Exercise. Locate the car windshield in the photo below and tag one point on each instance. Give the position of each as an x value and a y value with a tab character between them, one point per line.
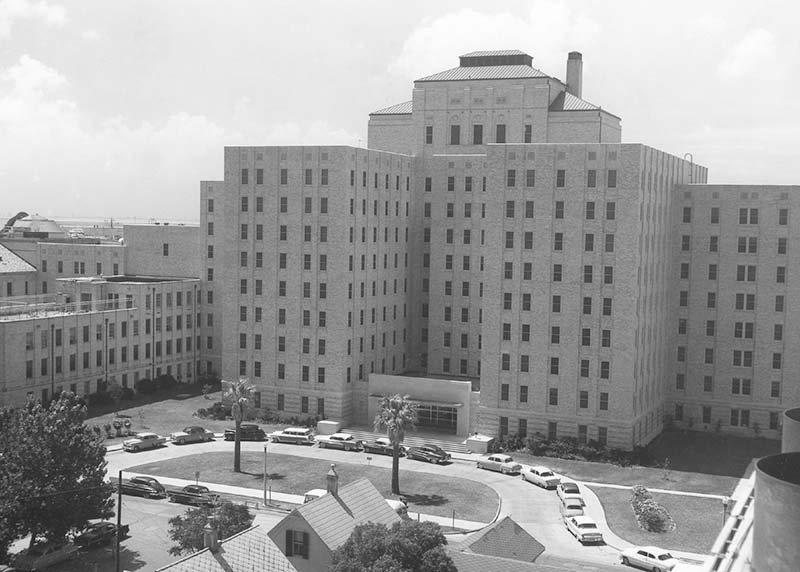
570	487
665	556
546	474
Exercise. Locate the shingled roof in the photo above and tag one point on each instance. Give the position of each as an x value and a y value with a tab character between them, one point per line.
396	109
502	547
485	72
10	263
333	517
249	550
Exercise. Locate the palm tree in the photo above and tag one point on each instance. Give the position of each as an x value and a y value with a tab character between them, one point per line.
396	415
241	394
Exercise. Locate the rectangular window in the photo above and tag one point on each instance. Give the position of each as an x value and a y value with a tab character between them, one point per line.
530	178
500	133
591	178
687	214
477	134
714	215
553	400
590	210
560	178
455	135
528	133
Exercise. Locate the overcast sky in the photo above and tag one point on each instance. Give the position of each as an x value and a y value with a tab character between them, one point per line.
121	108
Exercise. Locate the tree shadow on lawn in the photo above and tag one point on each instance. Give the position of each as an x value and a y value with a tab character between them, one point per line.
424	500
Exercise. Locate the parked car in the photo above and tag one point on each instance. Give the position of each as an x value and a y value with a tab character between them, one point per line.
142	487
314	494
191	434
500	462
294	435
428	452
195	495
649	558
584	529
570	508
99	533
143	441
541	476
40	556
344	441
382	446
573	498
567	488
247	432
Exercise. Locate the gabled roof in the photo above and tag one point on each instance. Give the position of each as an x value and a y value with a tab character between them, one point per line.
333	518
396	109
249	550
485	72
11	263
506	539
567	102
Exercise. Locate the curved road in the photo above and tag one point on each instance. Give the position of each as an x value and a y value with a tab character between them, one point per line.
535	509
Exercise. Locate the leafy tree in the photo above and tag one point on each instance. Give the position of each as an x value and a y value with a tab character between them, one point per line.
52	474
396	415
187	530
240	393
408	546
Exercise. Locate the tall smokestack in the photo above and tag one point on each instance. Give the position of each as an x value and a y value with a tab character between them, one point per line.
575	73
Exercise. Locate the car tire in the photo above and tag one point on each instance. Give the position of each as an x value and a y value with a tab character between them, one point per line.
625	561
135	448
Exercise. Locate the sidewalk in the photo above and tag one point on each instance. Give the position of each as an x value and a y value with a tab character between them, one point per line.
465	525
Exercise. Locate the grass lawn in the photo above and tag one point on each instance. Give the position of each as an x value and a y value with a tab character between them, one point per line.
173	412
697	520
646	476
425	492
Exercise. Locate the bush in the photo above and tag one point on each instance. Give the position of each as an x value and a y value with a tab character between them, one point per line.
650	515
165	381
218	411
99	398
127	394
145	386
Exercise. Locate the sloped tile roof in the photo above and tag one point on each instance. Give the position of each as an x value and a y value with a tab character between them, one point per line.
396	109
471	562
506	539
333	519
486	72
247	551
11	263
567	102
494	53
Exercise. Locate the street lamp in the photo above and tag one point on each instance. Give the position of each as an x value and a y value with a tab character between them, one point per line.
725	502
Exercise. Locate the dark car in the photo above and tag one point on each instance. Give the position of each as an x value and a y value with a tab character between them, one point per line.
142	487
428	452
382	446
100	533
247	432
195	495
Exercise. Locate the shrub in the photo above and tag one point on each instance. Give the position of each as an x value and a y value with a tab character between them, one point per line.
145	385
165	381
127	394
650	515
218	411
99	398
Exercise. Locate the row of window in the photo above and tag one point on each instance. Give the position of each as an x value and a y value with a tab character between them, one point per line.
744	272
745	302
72	332
741	330
308	179
111	356
739	385
747	215
738	417
79	268
583	397
741	358
744	244
555	335
552	431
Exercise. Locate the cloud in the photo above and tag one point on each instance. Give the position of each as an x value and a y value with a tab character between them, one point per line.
546	31
756	49
57	159
53	15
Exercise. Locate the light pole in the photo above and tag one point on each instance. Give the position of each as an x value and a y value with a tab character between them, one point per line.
725	502
266	477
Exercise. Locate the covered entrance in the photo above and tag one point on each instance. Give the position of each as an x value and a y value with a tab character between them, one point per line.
440	418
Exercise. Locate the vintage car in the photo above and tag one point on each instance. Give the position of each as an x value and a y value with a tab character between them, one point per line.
501	463
428	452
99	533
195	495
142	487
541	476
649	558
191	434
247	432
343	441
382	446
567	488
142	441
294	435
584	529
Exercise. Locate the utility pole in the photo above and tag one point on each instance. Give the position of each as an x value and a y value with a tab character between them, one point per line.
119	521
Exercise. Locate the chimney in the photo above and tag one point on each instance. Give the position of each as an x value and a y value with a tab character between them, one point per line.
575	73
333	481
210	537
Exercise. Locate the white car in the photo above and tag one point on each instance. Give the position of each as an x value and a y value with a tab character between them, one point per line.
573	498
584	529
649	558
570	508
344	441
191	434
501	463
295	435
143	441
541	476
567	488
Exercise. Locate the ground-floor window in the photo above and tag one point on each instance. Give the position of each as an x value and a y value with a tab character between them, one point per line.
440	418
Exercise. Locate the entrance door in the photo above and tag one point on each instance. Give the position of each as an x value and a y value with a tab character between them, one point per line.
437	418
